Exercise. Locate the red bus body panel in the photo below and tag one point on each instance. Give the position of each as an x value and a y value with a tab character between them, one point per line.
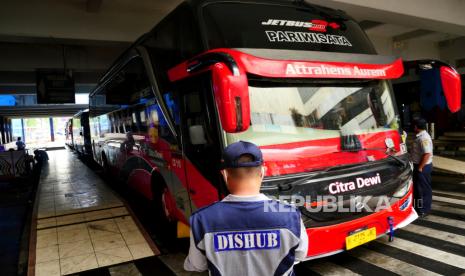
322	153
452	85
299	69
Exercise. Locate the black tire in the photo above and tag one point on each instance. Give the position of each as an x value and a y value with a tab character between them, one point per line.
105	166
164	227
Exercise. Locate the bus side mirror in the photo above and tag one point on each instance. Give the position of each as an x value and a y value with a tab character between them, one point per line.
452	87
231	93
449	78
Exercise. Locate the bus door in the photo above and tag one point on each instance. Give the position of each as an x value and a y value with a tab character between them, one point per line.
200	138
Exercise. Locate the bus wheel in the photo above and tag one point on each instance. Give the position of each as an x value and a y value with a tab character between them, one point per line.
164	224
106	166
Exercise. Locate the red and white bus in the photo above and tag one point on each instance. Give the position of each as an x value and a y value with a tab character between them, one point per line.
301	81
81	133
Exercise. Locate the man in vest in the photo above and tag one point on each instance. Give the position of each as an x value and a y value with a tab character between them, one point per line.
422	158
246	233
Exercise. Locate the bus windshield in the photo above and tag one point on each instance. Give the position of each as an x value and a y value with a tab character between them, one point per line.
296	113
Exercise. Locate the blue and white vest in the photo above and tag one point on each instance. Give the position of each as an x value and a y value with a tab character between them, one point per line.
249	236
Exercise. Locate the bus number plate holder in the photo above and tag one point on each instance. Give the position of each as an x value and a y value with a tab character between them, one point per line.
360	237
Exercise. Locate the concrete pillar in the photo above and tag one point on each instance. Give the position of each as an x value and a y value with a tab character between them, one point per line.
10	129
2	130
22	130
52	132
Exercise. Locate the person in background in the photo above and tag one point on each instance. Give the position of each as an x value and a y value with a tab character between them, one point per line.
20	144
422	158
128	143
41	156
246	233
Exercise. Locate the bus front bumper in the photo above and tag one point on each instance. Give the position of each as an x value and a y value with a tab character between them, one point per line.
329	240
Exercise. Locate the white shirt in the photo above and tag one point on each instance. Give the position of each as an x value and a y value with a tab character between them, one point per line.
421	145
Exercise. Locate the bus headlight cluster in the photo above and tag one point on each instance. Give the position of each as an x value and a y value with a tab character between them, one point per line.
403	189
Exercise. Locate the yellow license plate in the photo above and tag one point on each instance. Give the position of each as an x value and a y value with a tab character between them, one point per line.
360	238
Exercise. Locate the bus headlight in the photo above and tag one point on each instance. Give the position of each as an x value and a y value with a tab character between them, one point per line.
403	189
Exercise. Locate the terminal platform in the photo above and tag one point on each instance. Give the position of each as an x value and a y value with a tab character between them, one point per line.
81	224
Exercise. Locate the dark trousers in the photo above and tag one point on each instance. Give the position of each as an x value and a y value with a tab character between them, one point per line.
422	190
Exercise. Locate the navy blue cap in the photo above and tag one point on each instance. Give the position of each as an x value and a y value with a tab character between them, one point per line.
420	123
233	152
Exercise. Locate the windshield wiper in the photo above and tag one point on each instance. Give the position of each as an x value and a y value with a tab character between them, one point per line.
400	161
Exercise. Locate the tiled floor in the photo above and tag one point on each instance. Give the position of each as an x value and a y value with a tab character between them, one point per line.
81	223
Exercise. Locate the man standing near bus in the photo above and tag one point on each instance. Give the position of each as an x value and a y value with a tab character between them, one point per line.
422	158
20	145
246	233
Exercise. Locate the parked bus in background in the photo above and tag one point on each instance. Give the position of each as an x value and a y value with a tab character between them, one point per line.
81	133
69	133
301	81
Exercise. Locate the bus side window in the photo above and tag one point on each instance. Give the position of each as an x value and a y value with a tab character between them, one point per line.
104	125
142	117
173	40
119	122
128	88
173	108
157	125
164	130
128	125
116	121
112	123
135	122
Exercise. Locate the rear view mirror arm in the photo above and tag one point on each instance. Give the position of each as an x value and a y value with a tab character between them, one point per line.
209	59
